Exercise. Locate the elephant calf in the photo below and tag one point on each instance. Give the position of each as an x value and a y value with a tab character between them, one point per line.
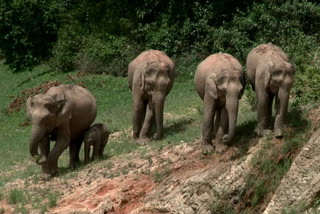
219	81
271	76
150	77
97	136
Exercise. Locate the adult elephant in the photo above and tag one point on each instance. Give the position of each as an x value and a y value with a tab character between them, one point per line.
271	76
219	81
150	77
62	114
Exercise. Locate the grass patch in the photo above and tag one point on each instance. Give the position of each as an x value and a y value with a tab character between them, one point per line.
16	196
160	175
182	123
273	161
52	199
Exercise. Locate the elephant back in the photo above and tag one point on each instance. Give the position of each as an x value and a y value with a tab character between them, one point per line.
259	54
214	63
148	57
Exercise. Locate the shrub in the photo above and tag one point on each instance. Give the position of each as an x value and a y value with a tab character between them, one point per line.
105	54
29	30
16	196
70	41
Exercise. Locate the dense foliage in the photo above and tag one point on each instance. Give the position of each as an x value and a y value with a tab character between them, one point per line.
102	36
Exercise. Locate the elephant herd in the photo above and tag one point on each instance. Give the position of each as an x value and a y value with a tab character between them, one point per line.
65	113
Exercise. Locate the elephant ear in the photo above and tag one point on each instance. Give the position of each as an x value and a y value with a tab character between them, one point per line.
29	106
243	83
263	73
62	109
211	87
147	73
143	69
222	80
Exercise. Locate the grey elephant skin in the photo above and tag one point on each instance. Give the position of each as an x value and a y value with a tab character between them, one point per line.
97	137
150	77
62	114
219	81
271	76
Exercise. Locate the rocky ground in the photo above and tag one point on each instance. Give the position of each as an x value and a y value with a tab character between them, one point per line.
176	179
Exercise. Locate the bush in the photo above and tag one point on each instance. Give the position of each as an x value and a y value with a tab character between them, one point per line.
105	54
70	41
29	30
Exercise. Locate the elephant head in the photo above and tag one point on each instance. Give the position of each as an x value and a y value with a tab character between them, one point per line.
45	112
156	84
278	74
226	88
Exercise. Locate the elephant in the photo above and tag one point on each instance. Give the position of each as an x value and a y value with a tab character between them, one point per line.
150	77
271	76
62	114
97	136
220	82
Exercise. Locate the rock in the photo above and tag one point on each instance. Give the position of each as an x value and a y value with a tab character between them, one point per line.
301	185
105	207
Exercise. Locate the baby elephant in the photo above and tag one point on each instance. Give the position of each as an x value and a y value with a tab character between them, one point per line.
97	136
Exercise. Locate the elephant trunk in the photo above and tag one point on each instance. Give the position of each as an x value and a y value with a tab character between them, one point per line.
158	100
37	134
232	105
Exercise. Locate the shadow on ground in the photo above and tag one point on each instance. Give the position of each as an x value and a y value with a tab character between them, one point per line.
177	126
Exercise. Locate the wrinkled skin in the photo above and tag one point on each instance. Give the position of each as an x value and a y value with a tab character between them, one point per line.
219	81
97	136
62	114
150	77
271	76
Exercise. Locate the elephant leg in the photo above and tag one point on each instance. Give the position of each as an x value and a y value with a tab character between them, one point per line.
209	107
262	109
139	112
217	122
100	152
44	147
74	150
63	141
269	114
86	152
222	130
283	100
147	122
277	105
96	149
77	150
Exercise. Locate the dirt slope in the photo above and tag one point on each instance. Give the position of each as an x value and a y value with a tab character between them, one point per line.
175	179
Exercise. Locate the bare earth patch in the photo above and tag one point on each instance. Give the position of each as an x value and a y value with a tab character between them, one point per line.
122	184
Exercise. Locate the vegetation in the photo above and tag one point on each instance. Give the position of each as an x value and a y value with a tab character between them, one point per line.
90	43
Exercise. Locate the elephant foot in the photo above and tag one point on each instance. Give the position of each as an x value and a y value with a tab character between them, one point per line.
135	136
49	172
278	133
264	132
143	140
226	138
72	166
221	148
46	177
42	159
207	148
156	136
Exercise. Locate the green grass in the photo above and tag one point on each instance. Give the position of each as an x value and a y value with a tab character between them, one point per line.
16	196
182	124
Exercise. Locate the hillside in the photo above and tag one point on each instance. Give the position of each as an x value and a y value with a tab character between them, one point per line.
167	176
